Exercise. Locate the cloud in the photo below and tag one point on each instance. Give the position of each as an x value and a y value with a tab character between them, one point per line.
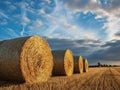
118	34
3	22
4	15
114	43
10	5
79	47
111	53
36	25
108	9
41	12
63	24
25	20
48	1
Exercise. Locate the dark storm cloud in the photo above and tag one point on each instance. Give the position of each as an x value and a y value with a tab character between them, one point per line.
112	43
78	47
112	53
117	34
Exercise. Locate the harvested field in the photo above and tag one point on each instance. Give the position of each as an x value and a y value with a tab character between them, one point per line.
106	78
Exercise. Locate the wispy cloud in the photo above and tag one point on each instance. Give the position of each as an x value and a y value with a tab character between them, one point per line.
3	22
4	15
24	20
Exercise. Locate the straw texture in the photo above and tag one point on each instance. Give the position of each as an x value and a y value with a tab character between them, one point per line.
27	59
85	65
78	64
63	62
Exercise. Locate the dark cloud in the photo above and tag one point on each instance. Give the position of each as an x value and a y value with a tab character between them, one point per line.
112	53
112	43
81	4
87	48
79	47
111	6
117	34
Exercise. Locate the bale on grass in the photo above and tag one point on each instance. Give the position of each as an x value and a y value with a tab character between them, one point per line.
85	65
63	62
26	59
78	64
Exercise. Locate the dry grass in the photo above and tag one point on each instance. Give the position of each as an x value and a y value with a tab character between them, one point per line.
27	59
78	64
63	62
95	79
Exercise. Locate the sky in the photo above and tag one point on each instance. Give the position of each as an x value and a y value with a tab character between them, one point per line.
90	28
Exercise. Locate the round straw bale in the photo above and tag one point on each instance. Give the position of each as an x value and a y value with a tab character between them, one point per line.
63	62
26	59
78	64
85	65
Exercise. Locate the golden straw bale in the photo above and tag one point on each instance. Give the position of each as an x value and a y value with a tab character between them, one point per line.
78	64
63	62
85	65
26	59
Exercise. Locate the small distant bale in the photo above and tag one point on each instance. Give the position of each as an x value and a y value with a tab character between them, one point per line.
85	65
26	59
78	64
63	62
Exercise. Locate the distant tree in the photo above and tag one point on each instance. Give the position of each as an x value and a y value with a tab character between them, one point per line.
99	64
106	65
110	65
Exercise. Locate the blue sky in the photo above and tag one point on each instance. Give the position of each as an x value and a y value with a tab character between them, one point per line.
84	26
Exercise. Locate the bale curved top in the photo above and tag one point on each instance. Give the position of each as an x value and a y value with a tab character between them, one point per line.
27	59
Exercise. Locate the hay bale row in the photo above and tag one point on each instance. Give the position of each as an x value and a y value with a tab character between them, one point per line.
27	59
67	64
63	62
30	60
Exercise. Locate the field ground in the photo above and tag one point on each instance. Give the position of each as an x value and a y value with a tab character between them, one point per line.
107	78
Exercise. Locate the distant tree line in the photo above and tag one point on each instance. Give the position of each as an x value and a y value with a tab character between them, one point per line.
103	65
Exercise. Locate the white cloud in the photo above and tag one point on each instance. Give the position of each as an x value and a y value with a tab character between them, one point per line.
48	1
36	25
109	10
3	22
25	21
62	24
41	11
12	33
4	15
